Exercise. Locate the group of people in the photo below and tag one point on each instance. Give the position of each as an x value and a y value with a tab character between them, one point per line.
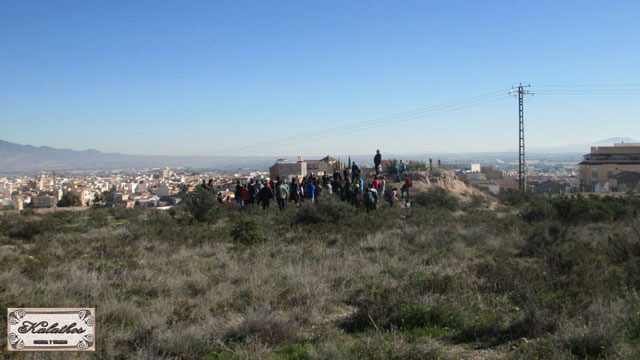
348	186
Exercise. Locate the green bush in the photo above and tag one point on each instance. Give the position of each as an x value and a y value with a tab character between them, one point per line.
437	197
327	210
292	352
515	197
537	210
416	316
246	232
590	345
202	205
69	199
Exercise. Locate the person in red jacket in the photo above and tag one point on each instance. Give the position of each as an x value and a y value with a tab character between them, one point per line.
245	195
405	188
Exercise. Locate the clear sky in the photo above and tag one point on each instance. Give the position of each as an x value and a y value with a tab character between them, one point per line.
209	77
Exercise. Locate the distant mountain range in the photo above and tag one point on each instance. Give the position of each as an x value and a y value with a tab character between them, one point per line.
18	159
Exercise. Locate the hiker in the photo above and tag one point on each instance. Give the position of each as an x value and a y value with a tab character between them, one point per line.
346	190
204	184
376	183
318	189
405	188
244	196
238	194
382	187
325	180
336	186
355	193
361	183
282	193
310	190
355	171
377	159
393	197
252	192
294	191
336	175
402	168
265	196
369	201
258	188
374	192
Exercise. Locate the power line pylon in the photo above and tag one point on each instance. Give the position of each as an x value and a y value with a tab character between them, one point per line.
520	91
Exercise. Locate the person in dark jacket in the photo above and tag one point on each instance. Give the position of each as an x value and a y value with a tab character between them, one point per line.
355	171
376	161
238	194
265	196
294	191
252	192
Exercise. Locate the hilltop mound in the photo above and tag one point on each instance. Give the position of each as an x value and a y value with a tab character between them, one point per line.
447	179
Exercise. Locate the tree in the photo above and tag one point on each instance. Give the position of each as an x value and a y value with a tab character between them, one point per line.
201	204
70	199
104	198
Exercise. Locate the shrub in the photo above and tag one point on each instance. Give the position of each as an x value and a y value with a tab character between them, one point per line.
201	205
591	344
266	326
415	165
292	352
246	232
28	227
327	210
69	199
537	210
416	315
573	210
437	197
515	197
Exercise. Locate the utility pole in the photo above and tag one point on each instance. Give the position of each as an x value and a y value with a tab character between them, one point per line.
520	91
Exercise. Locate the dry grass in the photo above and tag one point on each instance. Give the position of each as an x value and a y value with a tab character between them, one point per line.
393	284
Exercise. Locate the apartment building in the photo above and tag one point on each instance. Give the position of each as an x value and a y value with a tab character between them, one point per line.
604	163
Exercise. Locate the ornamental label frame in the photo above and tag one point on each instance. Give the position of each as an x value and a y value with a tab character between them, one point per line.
51	329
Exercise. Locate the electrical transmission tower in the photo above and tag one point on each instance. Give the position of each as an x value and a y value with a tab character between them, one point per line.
520	91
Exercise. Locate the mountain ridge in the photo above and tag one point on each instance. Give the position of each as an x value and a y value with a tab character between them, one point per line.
18	158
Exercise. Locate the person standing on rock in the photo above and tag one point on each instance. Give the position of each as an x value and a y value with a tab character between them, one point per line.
377	160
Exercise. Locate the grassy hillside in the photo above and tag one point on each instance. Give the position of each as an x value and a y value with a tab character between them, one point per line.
535	279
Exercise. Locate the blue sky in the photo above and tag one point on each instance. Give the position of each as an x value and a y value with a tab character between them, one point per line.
210	77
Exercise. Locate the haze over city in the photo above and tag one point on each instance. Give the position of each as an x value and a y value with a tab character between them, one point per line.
210	78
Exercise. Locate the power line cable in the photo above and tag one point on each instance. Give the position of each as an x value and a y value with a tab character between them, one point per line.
370	126
586	85
372	121
360	127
